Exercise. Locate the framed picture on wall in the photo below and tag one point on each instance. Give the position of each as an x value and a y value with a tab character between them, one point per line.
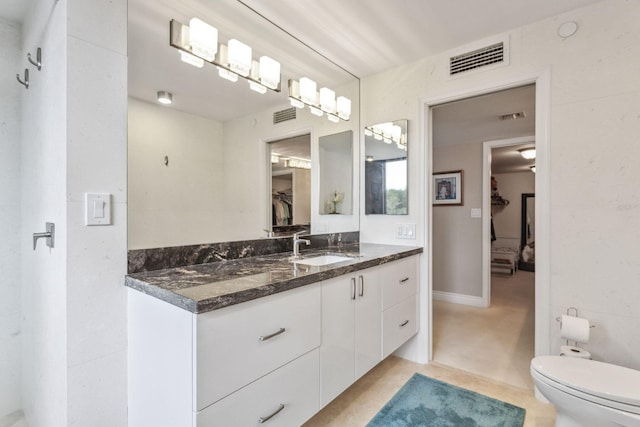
447	188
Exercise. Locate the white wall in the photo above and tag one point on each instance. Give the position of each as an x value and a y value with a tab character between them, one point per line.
595	199
511	186
97	256
183	202
44	181
74	141
10	311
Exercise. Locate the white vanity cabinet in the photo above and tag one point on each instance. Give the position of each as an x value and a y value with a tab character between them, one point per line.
198	370
351	330
399	303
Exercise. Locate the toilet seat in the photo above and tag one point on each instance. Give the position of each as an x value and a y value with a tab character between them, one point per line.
602	383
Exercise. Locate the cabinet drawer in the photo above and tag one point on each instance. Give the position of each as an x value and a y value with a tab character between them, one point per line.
399	281
295	385
239	344
399	323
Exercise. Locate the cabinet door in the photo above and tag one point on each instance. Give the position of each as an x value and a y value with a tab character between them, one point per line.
368	333
338	337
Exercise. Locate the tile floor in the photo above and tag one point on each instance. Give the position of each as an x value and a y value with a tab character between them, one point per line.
484	350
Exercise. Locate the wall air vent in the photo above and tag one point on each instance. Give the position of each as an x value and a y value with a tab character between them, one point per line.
284	115
489	55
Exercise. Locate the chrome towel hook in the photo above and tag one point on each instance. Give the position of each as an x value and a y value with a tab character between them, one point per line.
24	83
38	61
50	235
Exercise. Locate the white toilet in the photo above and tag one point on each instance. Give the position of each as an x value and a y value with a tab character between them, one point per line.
587	393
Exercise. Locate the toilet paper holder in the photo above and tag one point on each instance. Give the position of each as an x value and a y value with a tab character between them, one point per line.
572	311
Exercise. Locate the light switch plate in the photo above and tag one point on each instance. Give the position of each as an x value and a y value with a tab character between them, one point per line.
476	213
97	208
406	231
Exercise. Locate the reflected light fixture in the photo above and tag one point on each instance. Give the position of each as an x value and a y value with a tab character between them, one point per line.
533	168
164	97
198	43
369	158
388	133
304	92
528	153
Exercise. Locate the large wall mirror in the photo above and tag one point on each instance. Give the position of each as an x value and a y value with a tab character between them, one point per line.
200	169
386	150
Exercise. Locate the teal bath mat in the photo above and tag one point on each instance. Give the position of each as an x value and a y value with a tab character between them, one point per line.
426	402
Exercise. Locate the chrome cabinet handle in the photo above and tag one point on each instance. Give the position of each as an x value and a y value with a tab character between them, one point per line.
275	334
404	323
406	279
361	286
353	288
268	417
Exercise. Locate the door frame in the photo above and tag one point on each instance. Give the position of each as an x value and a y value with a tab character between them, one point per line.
542	80
487	146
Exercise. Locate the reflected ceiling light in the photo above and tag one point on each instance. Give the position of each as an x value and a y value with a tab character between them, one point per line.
304	92
528	153
198	43
191	59
297	163
275	158
369	158
308	93
165	97
533	168
328	100
344	108
269	72
203	39
239	57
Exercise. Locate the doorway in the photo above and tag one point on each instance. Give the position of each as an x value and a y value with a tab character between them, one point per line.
472	296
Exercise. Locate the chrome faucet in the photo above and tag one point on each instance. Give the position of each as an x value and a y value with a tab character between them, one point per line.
296	244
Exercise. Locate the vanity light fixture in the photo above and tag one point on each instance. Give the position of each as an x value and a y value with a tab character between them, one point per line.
388	133
293	162
164	97
528	153
304	92
198	43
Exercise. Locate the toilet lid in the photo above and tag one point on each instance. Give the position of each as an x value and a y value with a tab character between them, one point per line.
611	382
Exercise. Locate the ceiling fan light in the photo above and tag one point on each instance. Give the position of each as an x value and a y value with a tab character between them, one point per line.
203	39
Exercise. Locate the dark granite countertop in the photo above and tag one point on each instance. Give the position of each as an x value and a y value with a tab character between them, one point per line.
205	287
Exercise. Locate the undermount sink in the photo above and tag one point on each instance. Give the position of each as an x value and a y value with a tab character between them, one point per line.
322	260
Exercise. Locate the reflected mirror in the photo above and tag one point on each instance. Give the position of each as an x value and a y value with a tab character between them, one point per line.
199	168
291	185
386	168
336	171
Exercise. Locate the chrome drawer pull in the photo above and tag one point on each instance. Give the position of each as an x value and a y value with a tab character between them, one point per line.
404	323
267	418
406	279
353	288
361	286
268	337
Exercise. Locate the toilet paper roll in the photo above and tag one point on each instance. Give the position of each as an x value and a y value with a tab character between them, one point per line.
571	351
574	329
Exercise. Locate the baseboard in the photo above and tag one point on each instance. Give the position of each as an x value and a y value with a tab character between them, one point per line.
458	298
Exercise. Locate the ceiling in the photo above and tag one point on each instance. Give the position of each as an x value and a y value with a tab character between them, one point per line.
478	120
366	37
